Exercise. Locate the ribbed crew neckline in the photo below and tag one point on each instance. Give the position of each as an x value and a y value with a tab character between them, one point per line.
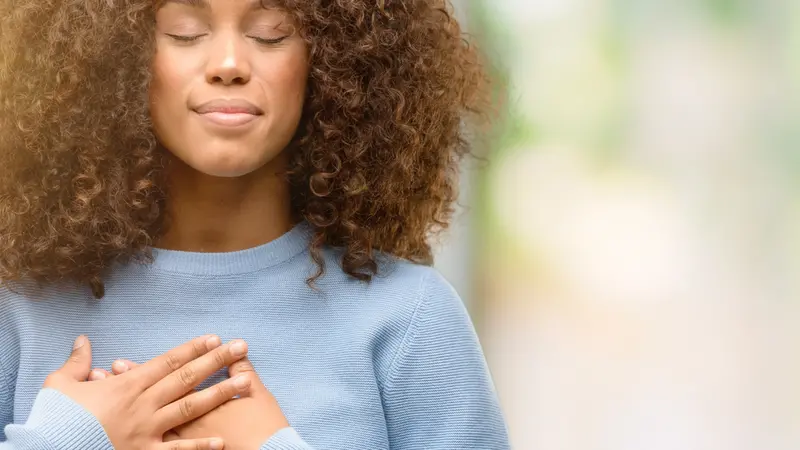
277	251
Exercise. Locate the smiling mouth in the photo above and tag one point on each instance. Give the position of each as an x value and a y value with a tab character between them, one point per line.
228	119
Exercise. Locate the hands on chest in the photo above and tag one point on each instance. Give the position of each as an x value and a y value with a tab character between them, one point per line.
154	405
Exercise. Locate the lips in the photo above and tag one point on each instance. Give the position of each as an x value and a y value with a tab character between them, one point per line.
229	112
229	119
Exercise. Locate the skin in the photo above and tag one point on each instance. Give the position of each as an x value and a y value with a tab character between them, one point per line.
243	423
226	191
395	99
137	408
226	188
225	184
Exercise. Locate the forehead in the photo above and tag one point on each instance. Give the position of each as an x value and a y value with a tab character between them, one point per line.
208	4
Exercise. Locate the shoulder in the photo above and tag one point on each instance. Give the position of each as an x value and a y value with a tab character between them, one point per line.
398	302
12	313
407	309
28	306
432	297
439	315
12	305
399	288
429	300
18	305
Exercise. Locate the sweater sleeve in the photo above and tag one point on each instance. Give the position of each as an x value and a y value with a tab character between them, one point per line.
438	393
6	404
286	439
8	352
55	423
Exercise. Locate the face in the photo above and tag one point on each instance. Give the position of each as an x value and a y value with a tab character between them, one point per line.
229	80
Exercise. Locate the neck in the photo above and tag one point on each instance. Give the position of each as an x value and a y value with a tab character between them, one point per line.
212	214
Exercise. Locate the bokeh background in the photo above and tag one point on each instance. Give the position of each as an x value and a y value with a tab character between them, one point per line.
631	251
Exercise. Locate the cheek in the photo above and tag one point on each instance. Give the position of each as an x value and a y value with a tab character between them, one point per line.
286	83
166	95
169	82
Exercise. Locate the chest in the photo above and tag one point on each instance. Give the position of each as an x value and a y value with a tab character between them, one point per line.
326	389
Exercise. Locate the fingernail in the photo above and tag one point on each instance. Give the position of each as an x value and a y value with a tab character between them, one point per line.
238	348
241	382
216	444
120	367
97	375
79	342
213	342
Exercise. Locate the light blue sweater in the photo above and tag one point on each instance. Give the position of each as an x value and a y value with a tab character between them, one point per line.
394	364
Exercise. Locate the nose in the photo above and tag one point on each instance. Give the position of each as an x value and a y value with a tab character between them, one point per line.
228	62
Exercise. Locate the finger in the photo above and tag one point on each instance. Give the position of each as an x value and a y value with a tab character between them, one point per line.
121	366
99	374
244	367
159	367
200	403
170	436
178	383
79	363
192	444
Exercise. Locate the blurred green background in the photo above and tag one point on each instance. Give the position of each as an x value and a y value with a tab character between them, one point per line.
631	252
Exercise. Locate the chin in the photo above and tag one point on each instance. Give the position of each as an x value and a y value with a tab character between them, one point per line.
225	166
226	171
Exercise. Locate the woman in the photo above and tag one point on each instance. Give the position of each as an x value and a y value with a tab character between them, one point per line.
261	170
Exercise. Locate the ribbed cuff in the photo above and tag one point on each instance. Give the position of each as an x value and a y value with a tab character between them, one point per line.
58	423
286	439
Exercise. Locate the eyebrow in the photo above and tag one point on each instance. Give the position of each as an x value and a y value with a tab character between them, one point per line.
194	3
205	4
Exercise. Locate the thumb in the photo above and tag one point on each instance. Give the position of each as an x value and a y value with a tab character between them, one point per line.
244	367
79	363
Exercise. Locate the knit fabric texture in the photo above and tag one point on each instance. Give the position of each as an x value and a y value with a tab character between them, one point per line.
393	364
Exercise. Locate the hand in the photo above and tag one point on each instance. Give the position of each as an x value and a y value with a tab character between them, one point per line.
137	408
245	423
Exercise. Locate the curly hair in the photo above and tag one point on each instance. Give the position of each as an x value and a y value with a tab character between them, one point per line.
374	164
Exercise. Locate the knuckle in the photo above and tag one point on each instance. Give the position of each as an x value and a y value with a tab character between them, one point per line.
243	366
221	392
172	362
51	380
199	349
219	359
186	407
126	382
187	376
249	376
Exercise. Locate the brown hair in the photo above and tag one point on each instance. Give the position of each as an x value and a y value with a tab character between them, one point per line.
374	164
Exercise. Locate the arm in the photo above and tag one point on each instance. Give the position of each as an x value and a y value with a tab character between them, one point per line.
55	421
6	406
438	392
136	409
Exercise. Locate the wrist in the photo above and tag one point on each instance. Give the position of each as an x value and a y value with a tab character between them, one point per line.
284	439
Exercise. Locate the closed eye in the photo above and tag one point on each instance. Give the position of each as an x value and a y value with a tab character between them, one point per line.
266	41
183	38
